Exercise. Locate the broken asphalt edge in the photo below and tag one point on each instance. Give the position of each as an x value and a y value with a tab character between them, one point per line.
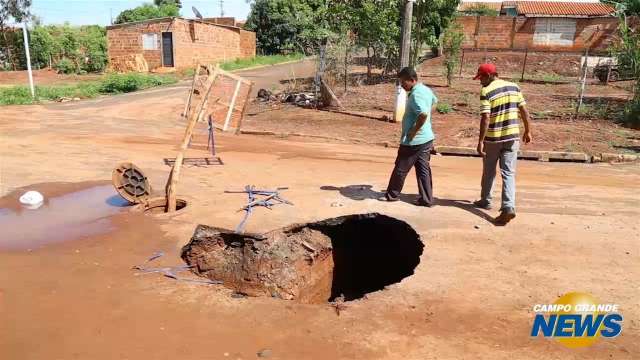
545	156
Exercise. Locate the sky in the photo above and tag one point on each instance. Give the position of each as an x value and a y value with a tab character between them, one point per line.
86	12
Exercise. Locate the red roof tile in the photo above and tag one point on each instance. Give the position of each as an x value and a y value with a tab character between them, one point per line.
550	8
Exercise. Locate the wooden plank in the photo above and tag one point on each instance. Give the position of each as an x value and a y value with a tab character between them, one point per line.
244	109
233	102
174	176
187	106
226	104
235	77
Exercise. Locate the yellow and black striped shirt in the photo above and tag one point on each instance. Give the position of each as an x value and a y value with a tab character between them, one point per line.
501	100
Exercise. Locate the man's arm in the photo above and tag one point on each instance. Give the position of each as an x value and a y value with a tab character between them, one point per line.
485	111
524	115
484	125
422	119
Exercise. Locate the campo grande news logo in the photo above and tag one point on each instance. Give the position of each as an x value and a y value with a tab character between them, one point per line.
577	320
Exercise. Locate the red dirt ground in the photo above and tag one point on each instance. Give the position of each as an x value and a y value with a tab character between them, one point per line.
470	297
42	77
551	105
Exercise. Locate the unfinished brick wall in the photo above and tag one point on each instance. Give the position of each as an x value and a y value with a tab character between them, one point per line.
193	42
207	43
229	21
125	40
505	32
247	43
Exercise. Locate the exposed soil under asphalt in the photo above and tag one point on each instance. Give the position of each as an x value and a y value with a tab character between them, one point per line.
470	296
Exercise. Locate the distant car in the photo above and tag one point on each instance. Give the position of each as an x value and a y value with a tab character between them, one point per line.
614	71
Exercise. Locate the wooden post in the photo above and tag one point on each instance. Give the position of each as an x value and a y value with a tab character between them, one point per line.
187	106
584	80
244	108
524	65
231	106
174	176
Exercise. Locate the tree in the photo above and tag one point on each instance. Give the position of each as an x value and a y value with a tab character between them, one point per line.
432	18
451	45
628	7
70	49
377	26
627	50
148	11
286	25
178	3
18	10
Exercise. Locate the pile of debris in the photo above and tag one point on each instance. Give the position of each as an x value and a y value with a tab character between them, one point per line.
306	99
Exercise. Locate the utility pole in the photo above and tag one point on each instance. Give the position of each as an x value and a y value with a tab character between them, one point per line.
111	15
25	35
405	50
221	8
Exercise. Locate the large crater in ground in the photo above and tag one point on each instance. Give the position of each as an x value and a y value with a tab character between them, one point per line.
348	256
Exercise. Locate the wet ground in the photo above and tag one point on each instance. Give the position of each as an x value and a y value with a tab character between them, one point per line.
82	213
470	297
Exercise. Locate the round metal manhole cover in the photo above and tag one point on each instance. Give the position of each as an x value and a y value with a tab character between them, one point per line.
131	183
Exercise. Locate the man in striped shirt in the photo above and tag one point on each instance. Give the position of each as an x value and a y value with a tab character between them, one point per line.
502	106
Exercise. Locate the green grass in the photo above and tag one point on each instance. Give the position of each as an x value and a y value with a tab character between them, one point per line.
259	61
109	84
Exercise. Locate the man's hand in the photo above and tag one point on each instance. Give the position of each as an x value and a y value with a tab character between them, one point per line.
412	133
526	138
481	148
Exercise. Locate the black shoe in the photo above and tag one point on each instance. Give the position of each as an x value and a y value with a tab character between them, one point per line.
482	204
505	217
386	198
419	202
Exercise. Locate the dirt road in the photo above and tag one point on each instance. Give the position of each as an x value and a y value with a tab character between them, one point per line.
70	294
277	77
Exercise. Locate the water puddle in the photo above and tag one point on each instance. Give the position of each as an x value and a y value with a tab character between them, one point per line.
64	217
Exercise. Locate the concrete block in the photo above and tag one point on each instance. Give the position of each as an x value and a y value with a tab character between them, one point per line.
568	156
456	150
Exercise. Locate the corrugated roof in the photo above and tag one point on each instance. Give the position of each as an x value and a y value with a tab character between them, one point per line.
552	8
470	5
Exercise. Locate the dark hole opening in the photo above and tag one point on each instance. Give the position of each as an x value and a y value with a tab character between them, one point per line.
370	252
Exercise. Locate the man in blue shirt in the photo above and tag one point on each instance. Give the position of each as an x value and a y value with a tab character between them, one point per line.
416	141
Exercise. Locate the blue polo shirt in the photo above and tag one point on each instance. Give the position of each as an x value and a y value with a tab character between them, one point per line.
421	99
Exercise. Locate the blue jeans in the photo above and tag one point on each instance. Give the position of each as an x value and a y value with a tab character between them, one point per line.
507	154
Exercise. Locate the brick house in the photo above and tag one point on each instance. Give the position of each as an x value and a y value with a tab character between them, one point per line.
175	42
541	26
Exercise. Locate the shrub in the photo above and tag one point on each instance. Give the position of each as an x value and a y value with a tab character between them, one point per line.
444	108
481	9
66	66
121	83
85	46
632	113
115	83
